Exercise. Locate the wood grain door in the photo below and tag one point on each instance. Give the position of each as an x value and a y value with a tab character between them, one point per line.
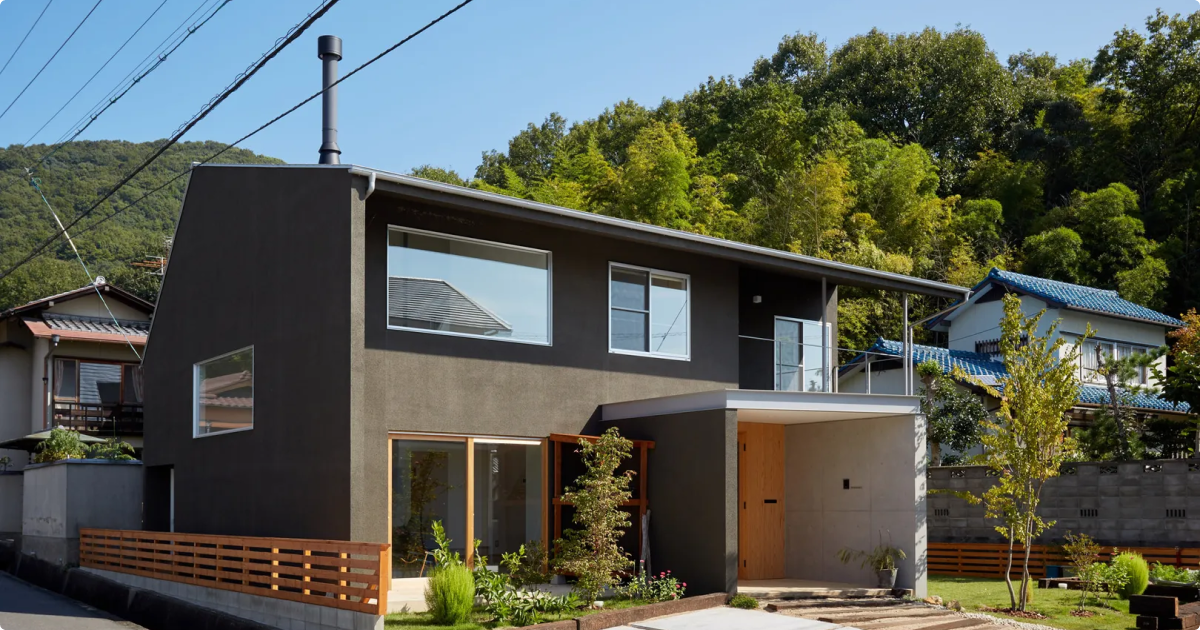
760	501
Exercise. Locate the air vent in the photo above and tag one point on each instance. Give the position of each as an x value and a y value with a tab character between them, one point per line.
1108	470
1176	513
958	474
1089	513
1152	468
941	512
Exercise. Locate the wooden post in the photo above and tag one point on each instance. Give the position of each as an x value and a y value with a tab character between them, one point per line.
385	577
470	536
306	578
557	491
274	574
642	499
342	569
544	490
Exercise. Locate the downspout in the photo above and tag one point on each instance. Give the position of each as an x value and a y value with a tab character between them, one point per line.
47	399
370	185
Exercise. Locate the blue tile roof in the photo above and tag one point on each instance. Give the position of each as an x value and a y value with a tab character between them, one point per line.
1078	296
989	370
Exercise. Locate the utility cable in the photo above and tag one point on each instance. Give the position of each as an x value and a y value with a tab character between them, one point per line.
36	183
252	133
60	47
214	156
293	35
97	73
33	26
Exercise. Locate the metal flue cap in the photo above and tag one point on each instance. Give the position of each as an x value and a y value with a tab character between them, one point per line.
329	45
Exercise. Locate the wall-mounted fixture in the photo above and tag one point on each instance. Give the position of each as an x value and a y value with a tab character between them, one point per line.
756	299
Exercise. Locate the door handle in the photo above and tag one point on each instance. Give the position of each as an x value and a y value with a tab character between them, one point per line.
770	500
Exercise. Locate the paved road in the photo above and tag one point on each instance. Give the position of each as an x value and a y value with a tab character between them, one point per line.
25	607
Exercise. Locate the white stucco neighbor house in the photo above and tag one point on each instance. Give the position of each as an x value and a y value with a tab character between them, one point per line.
972	328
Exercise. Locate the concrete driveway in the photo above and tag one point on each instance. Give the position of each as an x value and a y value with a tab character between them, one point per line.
25	607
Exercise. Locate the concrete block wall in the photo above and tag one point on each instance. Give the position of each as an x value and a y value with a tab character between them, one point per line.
279	613
60	497
1143	504
12	491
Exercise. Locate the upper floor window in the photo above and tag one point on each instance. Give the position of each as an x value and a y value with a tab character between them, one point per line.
1095	351
802	360
224	393
649	312
97	383
459	286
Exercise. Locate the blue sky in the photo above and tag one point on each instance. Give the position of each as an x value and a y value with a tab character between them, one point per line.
476	79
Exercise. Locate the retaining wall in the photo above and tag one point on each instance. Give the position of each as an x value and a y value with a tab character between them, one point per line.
1143	504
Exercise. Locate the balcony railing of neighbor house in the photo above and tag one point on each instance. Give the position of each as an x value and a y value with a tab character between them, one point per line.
336	574
989	559
98	418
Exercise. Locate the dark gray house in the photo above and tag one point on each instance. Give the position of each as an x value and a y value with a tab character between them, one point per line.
345	353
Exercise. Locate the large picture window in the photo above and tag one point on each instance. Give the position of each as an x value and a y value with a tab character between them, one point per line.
459	286
802	362
224	392
649	312
1094	351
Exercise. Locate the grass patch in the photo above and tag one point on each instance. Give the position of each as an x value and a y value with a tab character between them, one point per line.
1055	604
482	621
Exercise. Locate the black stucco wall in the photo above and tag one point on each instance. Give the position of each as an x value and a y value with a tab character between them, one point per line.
782	296
692	481
261	258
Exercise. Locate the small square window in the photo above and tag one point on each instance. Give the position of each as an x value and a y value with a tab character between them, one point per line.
224	393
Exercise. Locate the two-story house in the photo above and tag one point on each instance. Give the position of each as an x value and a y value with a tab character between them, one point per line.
345	353
972	327
65	362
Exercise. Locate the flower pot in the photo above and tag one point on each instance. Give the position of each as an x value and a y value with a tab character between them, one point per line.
887	578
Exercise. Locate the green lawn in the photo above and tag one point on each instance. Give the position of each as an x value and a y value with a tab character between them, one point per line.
414	621
1056	604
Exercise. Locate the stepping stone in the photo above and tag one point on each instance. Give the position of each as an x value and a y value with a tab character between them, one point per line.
732	619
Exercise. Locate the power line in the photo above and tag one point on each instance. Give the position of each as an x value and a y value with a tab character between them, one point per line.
293	34
31	27
214	156
60	47
97	73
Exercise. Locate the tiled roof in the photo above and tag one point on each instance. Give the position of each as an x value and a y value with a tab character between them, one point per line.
439	302
1080	297
989	371
107	289
79	323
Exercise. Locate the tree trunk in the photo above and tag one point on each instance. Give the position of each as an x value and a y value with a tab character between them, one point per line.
1012	596
935	453
1025	569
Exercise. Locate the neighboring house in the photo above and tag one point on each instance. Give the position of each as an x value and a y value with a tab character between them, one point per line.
64	362
343	353
1120	328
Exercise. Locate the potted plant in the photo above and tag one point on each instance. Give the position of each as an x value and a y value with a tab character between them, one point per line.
881	560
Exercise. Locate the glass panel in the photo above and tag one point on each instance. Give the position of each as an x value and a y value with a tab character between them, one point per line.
629	289
429	481
225	393
669	316
787	355
99	383
508	497
132	393
814	353
1088	360
447	284
629	330
66	378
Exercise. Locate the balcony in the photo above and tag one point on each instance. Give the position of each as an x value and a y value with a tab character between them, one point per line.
99	419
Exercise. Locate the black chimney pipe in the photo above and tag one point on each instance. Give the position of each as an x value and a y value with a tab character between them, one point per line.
329	51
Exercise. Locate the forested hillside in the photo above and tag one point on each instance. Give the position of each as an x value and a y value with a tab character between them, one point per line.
917	153
73	179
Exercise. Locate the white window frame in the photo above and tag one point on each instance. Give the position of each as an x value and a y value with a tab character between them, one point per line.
650	311
826	351
1143	377
450	333
196	393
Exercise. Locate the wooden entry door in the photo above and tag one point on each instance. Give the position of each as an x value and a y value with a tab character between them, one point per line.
760	501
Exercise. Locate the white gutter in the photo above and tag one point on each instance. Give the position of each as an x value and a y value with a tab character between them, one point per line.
470	193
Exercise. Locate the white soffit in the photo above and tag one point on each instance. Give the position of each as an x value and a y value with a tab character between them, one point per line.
770	406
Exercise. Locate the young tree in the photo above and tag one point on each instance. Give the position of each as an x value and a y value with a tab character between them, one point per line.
1028	442
592	552
955	417
1181	383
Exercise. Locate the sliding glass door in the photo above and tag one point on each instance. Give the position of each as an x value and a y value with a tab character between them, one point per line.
484	488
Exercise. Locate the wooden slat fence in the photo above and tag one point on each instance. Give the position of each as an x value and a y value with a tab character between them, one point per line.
989	559
337	574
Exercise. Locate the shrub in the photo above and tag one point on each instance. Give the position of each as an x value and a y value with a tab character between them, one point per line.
593	552
660	588
526	565
744	601
112	449
450	594
1137	570
62	444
